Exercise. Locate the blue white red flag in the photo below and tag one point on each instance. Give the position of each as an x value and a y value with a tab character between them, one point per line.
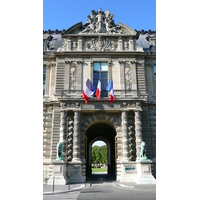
98	91
88	90
109	88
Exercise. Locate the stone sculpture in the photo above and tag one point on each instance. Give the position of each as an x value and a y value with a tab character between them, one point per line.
101	22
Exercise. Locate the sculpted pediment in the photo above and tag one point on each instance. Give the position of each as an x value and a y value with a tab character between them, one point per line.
99	33
100	22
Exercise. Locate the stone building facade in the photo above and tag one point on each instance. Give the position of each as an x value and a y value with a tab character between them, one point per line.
70	126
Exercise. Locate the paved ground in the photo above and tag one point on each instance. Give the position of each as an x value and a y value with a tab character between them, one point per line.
115	191
101	187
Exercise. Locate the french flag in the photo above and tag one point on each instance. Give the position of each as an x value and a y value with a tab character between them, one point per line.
109	88
88	90
98	91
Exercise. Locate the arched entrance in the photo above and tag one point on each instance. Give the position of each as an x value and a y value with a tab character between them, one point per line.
106	133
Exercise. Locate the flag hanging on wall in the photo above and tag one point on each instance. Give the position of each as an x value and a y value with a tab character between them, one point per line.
88	90
98	91
109	88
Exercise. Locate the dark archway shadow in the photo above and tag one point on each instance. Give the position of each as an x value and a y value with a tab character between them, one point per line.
101	178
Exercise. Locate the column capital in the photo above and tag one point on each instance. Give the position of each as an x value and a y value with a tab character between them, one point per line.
51	64
68	61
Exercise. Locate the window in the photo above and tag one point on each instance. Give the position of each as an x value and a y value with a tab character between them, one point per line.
44	78
102	69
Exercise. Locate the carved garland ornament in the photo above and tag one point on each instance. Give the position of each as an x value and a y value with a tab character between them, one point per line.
128	77
101	44
73	77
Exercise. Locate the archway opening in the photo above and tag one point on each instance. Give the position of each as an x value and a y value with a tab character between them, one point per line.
99	157
105	132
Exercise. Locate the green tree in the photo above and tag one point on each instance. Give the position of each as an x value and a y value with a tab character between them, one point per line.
99	154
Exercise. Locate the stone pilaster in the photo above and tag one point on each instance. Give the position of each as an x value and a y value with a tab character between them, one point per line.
122	65
131	45
76	139
91	70
138	133
52	80
109	69
79	75
125	146
120	44
69	44
134	77
48	76
80	44
67	72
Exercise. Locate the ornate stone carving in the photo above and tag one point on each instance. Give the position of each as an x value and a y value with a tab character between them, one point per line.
126	45
130	134
100	115
138	133
101	22
131	105
70	105
51	64
73	77
76	138
128	77
100	44
70	129
50	109
125	146
74	46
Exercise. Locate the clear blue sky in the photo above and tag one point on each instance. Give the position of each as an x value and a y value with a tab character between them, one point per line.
62	14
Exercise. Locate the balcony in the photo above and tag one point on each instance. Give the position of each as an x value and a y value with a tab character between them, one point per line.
105	95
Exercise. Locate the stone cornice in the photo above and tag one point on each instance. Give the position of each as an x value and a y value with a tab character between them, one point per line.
101	53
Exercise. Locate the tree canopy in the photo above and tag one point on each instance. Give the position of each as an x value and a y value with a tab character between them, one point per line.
99	154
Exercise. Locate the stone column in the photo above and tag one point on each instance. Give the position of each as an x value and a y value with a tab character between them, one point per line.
62	141
138	133
125	150
76	137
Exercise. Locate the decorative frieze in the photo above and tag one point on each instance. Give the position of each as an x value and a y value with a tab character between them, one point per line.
100	44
